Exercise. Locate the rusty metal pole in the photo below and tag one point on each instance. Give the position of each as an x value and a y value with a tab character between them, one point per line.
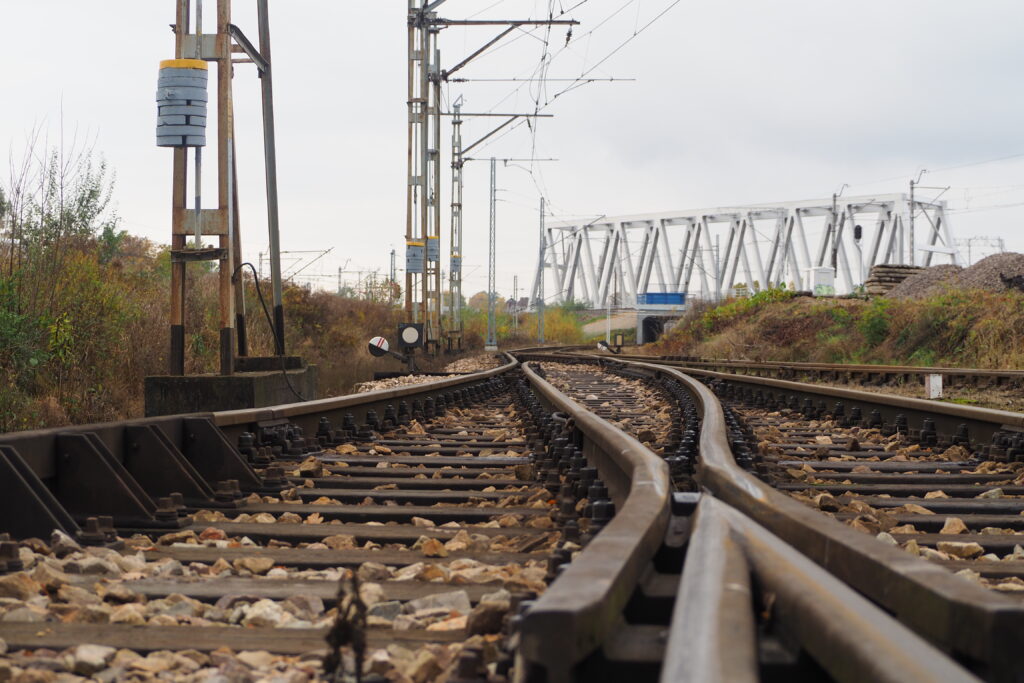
270	156
225	151
176	358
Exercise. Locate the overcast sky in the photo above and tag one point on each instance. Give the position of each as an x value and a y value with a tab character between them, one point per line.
735	102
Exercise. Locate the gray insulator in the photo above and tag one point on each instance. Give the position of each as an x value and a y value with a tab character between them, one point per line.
163	120
413	258
190	78
181	98
181	94
182	83
181	141
180	130
184	110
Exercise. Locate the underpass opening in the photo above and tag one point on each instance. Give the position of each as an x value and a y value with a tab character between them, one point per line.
652	329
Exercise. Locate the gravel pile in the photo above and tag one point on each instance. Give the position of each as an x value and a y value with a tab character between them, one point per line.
985	274
394	382
473	364
927	283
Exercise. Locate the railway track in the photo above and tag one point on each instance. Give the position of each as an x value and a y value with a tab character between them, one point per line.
940	500
948	612
846	373
417	528
553	519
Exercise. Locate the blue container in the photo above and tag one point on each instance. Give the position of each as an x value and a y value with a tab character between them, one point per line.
662	299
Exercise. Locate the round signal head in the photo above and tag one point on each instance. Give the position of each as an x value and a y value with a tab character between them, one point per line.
379	346
410	335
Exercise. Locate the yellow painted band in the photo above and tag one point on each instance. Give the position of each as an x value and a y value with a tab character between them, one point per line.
184	64
413	243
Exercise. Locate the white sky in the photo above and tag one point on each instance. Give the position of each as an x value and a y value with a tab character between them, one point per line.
736	102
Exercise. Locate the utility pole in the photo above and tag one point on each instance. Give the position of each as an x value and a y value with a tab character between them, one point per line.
832	229
492	337
422	272
515	302
182	125
391	287
836	228
270	158
455	269
910	226
540	278
423	189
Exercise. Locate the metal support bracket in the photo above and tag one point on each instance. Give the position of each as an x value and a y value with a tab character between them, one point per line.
161	468
209	46
213	456
27	507
214	222
91	482
192	255
249	49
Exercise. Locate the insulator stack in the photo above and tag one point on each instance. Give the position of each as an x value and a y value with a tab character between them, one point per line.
181	98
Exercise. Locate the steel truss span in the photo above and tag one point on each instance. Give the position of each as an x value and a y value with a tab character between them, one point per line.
707	252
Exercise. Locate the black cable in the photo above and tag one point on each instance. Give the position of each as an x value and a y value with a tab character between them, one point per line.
278	335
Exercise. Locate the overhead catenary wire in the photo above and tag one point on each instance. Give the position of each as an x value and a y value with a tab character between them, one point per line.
581	79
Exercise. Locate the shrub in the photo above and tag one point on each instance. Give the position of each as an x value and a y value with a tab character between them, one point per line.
874	322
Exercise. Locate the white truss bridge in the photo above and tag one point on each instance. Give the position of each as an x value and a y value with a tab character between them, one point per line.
704	253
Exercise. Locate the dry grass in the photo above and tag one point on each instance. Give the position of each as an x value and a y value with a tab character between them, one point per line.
957	328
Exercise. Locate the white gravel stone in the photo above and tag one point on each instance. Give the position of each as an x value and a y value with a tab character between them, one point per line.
88	659
454	601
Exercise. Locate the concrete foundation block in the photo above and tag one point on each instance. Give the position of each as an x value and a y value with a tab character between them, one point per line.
173	395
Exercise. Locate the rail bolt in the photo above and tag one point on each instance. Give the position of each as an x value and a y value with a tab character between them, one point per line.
165	510
11	556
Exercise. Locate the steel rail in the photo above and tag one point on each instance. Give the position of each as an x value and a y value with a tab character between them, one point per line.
713	633
125	469
981	423
713	630
37	447
972	623
579	611
792	369
713	622
308	414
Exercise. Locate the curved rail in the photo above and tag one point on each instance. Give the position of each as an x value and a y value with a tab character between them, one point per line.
836	371
713	626
712	635
577	613
962	618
